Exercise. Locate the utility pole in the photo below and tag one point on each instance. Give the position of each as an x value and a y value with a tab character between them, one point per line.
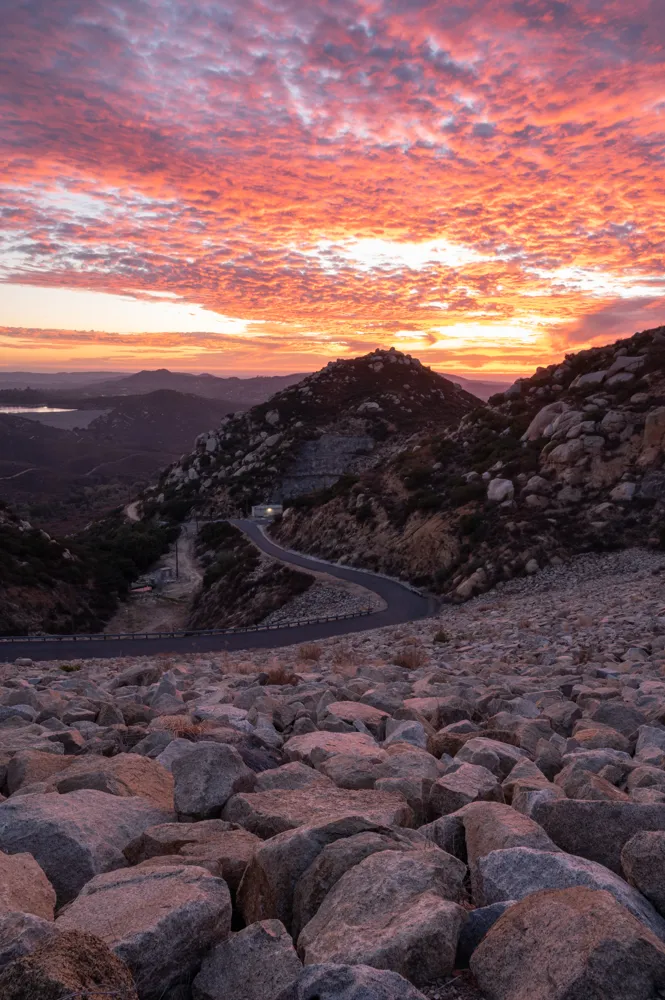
176	559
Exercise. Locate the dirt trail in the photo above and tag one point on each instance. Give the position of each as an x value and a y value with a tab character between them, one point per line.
167	607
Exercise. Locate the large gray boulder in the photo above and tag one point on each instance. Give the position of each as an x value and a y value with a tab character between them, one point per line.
596	830
207	777
333	861
349	982
521	871
469	783
76	836
268	885
395	910
255	964
21	933
643	863
572	944
160	921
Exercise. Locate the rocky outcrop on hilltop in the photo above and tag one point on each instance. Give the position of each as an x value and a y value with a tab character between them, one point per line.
350	416
569	460
470	807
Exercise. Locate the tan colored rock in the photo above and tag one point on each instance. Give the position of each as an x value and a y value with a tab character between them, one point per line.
492	826
314	748
569	943
69	964
290	776
395	910
578	784
171	838
591	736
212	843
269	813
30	766
352	711
125	775
25	887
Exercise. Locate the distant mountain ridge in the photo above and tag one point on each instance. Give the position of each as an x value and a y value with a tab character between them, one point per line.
72	476
243	390
250	390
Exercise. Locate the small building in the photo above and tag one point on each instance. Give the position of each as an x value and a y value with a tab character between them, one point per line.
264	511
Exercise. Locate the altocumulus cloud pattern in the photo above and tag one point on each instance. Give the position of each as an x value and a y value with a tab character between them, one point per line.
479	182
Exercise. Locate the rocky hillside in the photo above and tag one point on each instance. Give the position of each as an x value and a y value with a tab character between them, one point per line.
350	416
569	460
50	586
241	586
471	807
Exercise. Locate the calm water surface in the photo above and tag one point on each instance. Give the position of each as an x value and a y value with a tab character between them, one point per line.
36	409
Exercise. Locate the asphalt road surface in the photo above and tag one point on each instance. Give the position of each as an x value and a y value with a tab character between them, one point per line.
402	605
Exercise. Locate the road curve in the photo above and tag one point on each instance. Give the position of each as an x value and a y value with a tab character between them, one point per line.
402	605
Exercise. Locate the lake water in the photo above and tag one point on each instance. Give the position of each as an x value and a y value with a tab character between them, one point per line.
61	417
35	409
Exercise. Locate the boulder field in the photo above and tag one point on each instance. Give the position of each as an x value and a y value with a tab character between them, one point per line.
468	808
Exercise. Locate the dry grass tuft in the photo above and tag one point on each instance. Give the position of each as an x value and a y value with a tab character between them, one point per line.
243	667
310	651
181	726
411	657
278	673
345	655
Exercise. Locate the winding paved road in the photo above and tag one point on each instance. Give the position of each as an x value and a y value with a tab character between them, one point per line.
402	605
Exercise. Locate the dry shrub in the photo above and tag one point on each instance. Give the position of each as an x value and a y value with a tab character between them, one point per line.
278	673
310	651
181	726
411	657
346	656
244	667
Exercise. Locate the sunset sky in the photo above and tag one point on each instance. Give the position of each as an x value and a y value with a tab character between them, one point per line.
257	186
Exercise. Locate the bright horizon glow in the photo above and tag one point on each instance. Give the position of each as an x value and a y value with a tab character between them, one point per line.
67	308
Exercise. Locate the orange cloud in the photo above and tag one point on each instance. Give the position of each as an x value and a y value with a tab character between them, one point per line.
481	183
